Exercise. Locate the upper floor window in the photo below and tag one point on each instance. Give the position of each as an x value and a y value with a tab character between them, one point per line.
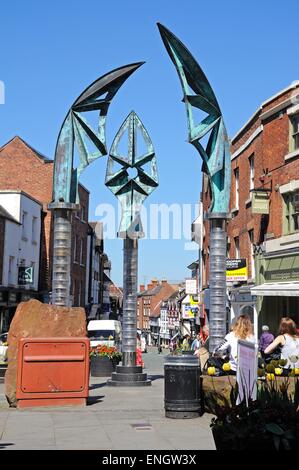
11	273
251	252
236	173
75	250
237	247
291	212
251	171
34	230
295	132
24	225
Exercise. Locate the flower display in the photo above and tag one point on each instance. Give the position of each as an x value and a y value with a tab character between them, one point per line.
271	421
226	367
211	370
108	351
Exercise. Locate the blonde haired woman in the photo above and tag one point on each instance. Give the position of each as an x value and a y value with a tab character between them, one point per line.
242	329
288	341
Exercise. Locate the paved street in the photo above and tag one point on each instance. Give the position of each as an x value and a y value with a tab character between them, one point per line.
115	419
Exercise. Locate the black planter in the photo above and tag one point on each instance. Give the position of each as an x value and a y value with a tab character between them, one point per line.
187	353
102	366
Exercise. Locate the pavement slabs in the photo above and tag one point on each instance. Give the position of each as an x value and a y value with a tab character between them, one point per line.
115	419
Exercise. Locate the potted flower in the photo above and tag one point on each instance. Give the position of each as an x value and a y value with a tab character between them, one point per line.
103	360
269	422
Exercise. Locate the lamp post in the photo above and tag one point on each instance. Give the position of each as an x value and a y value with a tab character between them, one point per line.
199	94
74	133
131	192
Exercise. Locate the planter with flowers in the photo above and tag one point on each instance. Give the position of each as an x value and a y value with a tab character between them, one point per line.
103	360
269	422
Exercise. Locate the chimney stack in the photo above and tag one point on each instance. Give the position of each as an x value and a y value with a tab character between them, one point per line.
141	288
164	282
154	282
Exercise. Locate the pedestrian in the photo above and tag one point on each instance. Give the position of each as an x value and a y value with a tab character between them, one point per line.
242	329
139	361
288	341
196	344
186	344
265	339
159	349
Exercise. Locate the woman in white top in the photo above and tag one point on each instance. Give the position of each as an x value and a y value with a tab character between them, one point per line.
288	341
242	329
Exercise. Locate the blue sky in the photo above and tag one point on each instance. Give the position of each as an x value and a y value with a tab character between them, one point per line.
50	51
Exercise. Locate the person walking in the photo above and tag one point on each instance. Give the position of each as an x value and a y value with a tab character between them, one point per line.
265	339
242	329
288	341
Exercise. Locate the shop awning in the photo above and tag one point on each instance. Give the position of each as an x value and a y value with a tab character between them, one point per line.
277	289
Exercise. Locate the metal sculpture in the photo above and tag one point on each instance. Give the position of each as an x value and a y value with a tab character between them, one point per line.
76	133
131	192
216	164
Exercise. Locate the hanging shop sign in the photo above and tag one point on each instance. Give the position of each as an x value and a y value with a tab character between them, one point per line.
189	307
260	202
236	270
191	286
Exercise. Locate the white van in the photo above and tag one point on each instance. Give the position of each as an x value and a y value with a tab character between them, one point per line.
104	332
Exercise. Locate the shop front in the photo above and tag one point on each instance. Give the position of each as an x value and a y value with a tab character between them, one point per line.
9	300
277	287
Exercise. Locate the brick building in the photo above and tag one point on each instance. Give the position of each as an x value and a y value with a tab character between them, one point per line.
23	168
148	307
264	209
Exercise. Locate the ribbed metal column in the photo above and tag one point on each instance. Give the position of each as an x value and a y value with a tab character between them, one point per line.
62	246
129	327
218	244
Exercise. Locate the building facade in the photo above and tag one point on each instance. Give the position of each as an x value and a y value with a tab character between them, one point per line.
20	229
264	225
25	169
149	302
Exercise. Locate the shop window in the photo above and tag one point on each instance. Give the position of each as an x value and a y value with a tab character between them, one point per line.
291	213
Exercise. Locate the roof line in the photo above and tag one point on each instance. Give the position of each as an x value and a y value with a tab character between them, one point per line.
293	85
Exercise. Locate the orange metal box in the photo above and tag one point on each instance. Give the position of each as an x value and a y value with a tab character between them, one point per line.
52	372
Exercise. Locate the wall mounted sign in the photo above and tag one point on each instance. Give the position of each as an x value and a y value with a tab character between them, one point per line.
25	275
236	270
